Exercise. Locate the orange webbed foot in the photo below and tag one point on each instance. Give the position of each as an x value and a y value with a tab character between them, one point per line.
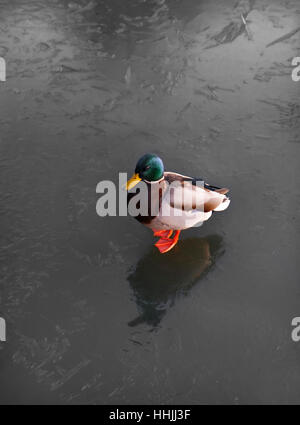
166	244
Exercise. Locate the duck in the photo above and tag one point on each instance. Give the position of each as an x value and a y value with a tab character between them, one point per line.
172	202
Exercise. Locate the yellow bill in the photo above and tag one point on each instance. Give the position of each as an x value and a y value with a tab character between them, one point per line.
133	181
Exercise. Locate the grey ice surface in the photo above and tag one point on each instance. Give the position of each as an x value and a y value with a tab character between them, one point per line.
95	315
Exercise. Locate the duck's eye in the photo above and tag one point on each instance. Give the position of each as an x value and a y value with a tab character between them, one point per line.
147	168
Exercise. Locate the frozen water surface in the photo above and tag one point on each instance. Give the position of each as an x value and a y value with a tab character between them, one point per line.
94	313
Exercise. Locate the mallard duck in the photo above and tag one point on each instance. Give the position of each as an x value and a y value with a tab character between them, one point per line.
174	202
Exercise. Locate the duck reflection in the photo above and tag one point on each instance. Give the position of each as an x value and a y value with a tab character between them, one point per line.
159	279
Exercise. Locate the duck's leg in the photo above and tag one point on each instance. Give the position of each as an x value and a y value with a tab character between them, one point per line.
166	244
163	233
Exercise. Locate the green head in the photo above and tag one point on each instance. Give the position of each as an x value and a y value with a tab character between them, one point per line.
149	168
